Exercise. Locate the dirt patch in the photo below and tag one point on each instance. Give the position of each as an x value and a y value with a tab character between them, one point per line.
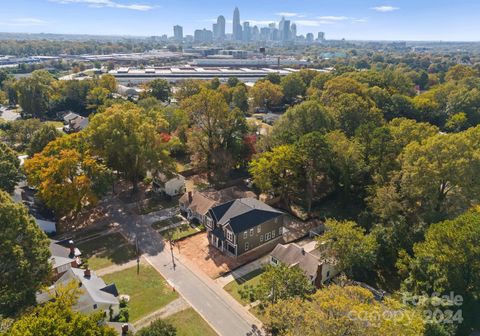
213	262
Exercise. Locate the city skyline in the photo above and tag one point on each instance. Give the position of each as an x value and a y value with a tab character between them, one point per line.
350	19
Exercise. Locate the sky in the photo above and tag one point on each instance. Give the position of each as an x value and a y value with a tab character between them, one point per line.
423	20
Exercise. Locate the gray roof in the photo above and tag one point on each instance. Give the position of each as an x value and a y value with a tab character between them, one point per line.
294	255
93	285
244	213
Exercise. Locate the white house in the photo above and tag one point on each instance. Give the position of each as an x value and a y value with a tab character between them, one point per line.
95	294
172	185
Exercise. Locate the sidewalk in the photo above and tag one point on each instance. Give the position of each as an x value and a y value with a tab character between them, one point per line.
173	307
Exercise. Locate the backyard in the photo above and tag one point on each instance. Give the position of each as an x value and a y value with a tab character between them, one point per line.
189	323
241	284
148	291
107	250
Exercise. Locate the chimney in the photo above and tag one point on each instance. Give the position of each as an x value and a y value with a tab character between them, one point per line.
124	329
72	248
190	197
87	273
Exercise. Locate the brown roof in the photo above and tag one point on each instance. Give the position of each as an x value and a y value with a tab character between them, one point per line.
294	255
202	201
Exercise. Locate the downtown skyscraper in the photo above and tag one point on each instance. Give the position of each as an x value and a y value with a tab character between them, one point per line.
237	26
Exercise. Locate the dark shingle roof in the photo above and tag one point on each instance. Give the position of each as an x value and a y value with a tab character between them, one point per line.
244	213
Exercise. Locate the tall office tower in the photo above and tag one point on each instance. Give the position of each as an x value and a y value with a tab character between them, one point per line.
293	31
280	27
203	35
309	37
221	27
215	31
237	27
247	33
178	32
321	36
286	30
255	33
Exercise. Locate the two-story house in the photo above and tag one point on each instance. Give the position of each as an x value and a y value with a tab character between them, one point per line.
242	225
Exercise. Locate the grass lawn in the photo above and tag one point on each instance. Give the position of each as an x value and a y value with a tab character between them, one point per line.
148	291
251	279
56	124
167	222
104	251
190	323
180	232
157	203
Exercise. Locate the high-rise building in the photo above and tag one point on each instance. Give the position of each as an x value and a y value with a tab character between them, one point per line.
285	34
255	33
237	27
309	37
247	33
215	31
203	35
220	27
178	33
321	36
293	31
280	26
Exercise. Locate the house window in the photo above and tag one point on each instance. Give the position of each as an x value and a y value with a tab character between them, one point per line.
95	306
229	235
274	260
259	229
247	246
245	235
251	232
261	238
280	231
273	234
328	274
268	235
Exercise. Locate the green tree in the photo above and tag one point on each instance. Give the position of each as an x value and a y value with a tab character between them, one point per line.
131	141
58	318
240	97
24	257
160	89
217	132
158	328
41	138
281	282
459	72
19	133
278	172
301	119
10	172
292	87
96	97
353	249
35	93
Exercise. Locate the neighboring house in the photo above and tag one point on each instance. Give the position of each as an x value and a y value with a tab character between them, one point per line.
195	205
64	255
171	185
95	294
243	225
74	123
318	270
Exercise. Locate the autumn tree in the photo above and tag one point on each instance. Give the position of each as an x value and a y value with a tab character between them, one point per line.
131	141
24	257
10	172
340	311
67	176
264	94
353	249
158	328
57	317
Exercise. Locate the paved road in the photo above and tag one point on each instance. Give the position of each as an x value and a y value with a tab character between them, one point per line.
9	115
219	309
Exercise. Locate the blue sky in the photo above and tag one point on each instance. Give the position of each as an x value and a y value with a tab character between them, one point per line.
351	19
